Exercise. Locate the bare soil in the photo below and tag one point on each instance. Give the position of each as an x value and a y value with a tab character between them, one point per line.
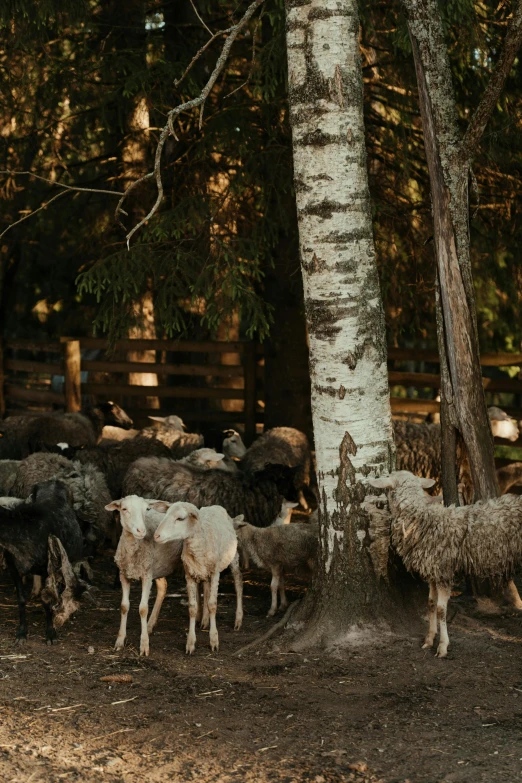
389	712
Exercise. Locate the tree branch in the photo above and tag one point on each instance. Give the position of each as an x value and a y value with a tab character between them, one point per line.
61	184
480	118
26	217
169	127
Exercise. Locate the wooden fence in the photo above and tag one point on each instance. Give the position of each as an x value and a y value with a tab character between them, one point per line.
28	366
194	383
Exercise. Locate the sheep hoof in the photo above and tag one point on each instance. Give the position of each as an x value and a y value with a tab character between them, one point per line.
144	649
190	650
214	643
20	641
120	644
271	613
441	653
428	643
205	623
51	641
237	625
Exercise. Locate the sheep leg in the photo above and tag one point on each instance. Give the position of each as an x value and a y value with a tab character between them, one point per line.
50	633
21	634
37	587
274	586
302	500
238	586
282	594
443	596
146	584
192	593
432	611
205	619
161	589
212	608
199	605
125	604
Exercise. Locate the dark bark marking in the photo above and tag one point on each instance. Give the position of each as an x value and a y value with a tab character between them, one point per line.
342	392
331	380
315	265
346	470
336	87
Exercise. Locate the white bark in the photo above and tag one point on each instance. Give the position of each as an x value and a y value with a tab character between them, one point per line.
350	397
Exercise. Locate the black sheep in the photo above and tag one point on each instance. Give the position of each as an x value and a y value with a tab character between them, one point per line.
258	496
44	538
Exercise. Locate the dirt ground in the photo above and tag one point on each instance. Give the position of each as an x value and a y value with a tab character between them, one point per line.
386	713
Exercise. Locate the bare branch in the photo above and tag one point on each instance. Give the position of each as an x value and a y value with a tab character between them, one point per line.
61	184
199	17
200	52
26	217
251	70
480	118
192	104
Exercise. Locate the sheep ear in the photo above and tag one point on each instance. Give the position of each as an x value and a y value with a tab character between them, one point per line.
157	418
426	483
114	506
218	457
239	521
381	483
160	505
193	516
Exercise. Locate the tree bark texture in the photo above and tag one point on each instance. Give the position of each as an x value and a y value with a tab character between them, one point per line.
458	346
350	396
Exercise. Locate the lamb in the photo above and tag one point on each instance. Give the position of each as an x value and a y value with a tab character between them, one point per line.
170	431
257	496
24	435
8	468
209	546
281	446
43	538
483	540
139	557
87	484
279	549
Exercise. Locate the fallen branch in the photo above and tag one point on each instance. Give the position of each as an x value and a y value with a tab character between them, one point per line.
282	622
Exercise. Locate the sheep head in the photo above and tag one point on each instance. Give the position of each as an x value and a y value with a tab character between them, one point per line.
132	510
180	519
63	588
399	477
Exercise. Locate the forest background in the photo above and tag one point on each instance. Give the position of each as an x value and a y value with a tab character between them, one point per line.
84	92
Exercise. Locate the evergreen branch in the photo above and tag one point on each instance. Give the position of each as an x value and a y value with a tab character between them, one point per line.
480	118
192	104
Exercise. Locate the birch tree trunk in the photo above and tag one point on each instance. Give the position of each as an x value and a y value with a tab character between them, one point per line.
350	396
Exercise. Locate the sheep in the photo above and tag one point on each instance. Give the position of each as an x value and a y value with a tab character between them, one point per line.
208	459
139	557
281	446
509	476
23	435
112	433
209	546
502	425
482	540
10	502
87	484
233	445
279	549
419	448
169	430
27	536
8	468
258	496
285	515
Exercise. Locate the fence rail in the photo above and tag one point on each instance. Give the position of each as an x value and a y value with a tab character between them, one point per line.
26	380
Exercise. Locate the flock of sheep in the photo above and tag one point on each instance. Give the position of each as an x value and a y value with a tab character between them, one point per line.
166	499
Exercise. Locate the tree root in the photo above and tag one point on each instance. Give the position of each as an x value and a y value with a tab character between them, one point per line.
282	622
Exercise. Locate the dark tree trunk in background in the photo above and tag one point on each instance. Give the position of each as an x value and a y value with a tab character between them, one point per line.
449	158
287	373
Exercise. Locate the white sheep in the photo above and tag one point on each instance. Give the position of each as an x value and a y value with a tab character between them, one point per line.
482	540
502	425
207	459
279	549
138	556
233	445
209	546
285	515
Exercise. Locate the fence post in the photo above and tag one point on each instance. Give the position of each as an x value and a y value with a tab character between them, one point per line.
72	364
2	378
249	364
